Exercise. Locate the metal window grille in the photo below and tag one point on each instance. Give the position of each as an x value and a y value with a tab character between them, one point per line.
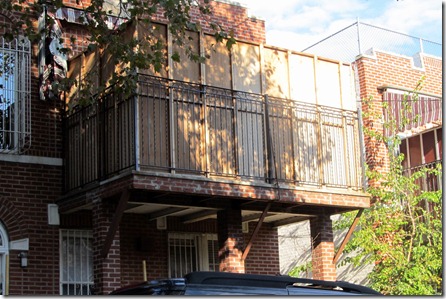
15	95
212	249
192	252
76	262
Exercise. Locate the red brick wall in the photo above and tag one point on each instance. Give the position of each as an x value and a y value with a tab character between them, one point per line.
141	240
391	70
263	258
25	191
231	17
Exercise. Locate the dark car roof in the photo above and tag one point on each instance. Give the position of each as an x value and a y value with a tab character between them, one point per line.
224	283
268	281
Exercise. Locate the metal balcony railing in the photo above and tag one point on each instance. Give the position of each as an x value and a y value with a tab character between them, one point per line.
185	128
429	182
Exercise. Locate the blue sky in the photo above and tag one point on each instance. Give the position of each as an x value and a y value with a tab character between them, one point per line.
297	24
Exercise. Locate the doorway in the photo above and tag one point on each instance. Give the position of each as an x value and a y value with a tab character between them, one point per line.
4	248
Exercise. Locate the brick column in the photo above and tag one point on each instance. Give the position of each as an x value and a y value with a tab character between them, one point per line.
107	271
322	248
230	240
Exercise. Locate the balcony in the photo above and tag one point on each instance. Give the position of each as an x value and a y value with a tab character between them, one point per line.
185	129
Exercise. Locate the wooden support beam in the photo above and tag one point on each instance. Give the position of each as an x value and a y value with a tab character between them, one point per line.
202	215
255	216
347	236
165	212
115	222
256	230
290	220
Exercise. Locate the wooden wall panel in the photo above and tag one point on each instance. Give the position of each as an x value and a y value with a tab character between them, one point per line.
151	34
281	124
348	88
187	70
84	68
306	148
218	66
246	67
275	69
302	78
154	135
328	88
107	67
74	72
250	139
221	135
188	130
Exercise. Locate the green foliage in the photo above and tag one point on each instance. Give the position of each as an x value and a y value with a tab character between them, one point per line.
301	270
130	53
398	233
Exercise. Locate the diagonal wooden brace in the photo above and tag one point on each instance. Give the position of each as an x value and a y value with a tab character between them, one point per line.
256	230
347	236
115	222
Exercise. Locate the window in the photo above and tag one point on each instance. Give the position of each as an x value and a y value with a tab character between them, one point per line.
192	252
76	262
15	95
423	150
3	253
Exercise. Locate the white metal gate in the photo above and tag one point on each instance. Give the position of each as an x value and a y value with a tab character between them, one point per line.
192	252
76	262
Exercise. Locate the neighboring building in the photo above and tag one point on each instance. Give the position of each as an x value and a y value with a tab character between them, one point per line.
386	73
195	171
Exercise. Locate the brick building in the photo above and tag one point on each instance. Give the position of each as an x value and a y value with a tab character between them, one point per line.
196	170
388	77
387	73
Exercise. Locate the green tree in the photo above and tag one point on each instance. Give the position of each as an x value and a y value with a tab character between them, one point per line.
398	234
129	53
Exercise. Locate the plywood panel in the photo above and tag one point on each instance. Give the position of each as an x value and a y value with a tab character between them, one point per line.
188	130
281	127
187	70
302	78
110	64
306	147
218	66
86	71
246	67
108	67
250	138
221	135
328	87
154	135
74	72
276	73
348	88
154	35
